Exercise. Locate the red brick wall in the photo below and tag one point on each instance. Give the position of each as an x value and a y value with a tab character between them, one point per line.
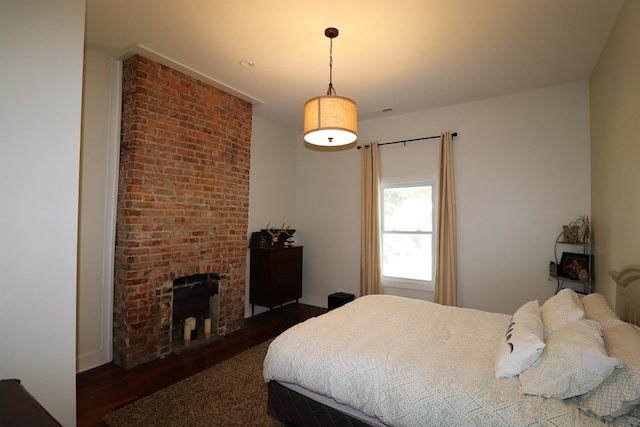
183	203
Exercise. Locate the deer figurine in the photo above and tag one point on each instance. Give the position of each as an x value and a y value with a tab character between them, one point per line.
275	233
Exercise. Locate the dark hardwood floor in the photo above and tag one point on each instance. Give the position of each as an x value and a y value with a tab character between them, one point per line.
106	388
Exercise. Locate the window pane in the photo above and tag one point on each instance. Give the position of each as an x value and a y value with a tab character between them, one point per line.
407	256
407	209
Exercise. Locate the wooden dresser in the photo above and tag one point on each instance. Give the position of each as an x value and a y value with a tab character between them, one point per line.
275	276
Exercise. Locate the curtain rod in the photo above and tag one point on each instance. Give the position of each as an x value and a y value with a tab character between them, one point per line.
404	141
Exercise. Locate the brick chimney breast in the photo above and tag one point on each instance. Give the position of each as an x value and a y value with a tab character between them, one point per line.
183	203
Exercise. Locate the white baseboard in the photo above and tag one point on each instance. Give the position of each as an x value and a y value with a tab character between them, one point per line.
92	360
316	301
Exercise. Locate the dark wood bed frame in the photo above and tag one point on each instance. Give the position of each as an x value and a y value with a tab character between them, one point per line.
294	409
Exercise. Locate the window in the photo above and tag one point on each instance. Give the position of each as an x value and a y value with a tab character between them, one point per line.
407	231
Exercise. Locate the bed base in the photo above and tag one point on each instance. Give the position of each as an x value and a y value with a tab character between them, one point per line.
294	409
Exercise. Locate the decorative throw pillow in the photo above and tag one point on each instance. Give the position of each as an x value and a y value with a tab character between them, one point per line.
574	362
619	394
523	342
597	308
562	308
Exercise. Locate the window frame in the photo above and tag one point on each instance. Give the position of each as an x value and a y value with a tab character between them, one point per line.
399	282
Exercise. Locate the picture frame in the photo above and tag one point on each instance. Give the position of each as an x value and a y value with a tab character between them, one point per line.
575	266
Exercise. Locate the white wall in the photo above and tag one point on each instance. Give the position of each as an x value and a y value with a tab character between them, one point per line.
98	193
40	116
272	183
328	210
521	170
615	102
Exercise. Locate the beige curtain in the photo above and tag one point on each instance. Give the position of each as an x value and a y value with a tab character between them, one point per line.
370	277
445	292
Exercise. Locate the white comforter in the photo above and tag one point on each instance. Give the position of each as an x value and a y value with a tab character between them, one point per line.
412	363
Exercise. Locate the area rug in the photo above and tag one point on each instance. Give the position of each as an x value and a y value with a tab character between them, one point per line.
231	393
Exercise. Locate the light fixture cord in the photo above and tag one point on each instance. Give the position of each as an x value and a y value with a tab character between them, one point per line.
331	90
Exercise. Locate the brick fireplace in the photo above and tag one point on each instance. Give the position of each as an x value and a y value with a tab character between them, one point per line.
183	204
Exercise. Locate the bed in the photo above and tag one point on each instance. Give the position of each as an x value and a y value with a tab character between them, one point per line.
391	361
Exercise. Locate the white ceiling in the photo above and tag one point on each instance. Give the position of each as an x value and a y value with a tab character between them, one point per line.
407	55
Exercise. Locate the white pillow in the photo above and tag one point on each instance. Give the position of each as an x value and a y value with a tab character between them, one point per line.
619	394
523	342
597	308
562	308
574	362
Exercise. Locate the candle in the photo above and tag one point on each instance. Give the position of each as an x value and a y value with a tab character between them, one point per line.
187	332
191	321
207	326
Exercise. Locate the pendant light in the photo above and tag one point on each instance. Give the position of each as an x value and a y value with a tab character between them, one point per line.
330	120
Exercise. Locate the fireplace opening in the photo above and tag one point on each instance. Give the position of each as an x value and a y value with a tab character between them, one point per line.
195	301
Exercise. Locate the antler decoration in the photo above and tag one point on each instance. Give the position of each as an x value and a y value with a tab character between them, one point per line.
276	232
